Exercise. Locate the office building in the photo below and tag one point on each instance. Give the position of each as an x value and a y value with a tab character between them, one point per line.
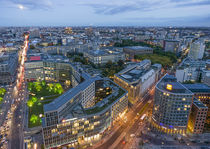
138	78
103	56
171	46
51	68
197	117
75	118
202	93
8	67
136	50
172	105
190	70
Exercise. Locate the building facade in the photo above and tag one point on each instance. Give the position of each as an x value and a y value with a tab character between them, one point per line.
196	50
75	119
172	105
8	67
202	93
103	56
190	70
137	78
136	50
197	117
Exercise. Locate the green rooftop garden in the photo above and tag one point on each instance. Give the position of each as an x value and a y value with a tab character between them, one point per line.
111	100
40	93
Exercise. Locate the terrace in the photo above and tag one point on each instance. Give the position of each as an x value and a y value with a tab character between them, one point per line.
40	94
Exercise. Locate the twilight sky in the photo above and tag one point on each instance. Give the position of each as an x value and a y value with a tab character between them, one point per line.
104	12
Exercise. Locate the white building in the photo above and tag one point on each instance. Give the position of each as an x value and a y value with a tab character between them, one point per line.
189	70
196	50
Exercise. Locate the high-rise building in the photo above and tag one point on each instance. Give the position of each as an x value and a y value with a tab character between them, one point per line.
196	50
172	104
197	117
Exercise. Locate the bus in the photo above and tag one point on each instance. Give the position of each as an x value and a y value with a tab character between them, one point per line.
143	117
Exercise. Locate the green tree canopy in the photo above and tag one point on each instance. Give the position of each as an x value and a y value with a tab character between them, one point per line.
34	99
33	118
30	103
1	99
2	91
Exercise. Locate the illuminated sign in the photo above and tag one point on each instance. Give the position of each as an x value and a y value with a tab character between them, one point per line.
169	87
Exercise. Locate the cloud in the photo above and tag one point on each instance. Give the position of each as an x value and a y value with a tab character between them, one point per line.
122	7
30	4
178	21
117	7
197	3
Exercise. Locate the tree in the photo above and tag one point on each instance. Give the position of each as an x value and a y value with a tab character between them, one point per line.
1	99
30	86
60	90
34	99
30	103
38	88
43	83
50	86
33	118
2	91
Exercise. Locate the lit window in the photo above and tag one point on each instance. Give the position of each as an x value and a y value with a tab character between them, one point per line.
183	99
178	109
169	87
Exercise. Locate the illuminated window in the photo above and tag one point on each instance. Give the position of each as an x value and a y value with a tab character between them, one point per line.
185	106
169	87
185	109
183	99
96	123
86	122
178	109
76	124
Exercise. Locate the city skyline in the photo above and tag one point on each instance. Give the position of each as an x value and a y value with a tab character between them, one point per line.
105	13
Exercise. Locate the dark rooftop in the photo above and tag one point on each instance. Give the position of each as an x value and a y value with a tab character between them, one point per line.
198	87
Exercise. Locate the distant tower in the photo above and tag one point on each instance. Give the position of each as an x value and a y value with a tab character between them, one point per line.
196	50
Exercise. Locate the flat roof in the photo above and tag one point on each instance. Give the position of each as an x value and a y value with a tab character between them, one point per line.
169	83
138	48
135	72
198	87
68	95
198	103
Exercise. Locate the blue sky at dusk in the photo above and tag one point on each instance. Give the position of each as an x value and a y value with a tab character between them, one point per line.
105	12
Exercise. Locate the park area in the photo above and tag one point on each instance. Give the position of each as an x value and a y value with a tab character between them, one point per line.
165	61
2	93
40	93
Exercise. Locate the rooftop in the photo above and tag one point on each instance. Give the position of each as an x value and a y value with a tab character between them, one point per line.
169	83
64	98
46	57
198	103
138	48
198	87
104	51
136	72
